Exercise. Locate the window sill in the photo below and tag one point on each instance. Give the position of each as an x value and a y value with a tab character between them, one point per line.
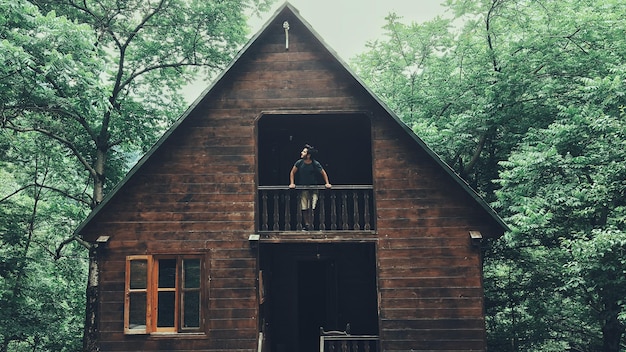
177	335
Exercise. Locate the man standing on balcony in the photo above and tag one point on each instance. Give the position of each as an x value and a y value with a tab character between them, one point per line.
307	169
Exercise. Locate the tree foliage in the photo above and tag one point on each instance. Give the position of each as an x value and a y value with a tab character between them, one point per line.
563	189
525	100
85	86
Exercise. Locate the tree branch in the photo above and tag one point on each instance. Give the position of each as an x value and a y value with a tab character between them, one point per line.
57	190
57	253
476	156
59	139
494	5
62	112
162	66
5	198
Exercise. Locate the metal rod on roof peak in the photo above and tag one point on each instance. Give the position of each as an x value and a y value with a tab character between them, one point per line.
286	27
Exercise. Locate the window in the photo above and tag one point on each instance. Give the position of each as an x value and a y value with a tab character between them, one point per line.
163	294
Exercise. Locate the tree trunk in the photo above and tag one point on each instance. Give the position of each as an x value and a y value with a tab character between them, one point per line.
90	333
98	178
612	328
612	332
4	347
90	330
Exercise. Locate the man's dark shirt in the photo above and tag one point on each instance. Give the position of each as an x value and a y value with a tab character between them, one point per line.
307	173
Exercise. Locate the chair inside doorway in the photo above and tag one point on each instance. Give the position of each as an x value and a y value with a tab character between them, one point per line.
344	341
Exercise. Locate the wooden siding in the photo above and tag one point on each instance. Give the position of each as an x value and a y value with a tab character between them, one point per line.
197	193
430	279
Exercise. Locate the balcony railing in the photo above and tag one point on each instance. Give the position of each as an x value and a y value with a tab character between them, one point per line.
341	208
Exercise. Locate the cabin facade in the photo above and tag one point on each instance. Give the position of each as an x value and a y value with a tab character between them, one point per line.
201	246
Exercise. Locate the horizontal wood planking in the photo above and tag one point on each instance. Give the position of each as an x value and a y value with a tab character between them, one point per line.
476	344
430	272
432	262
209	179
168	343
437	302
426	323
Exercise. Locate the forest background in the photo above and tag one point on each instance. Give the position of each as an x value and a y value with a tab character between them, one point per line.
524	99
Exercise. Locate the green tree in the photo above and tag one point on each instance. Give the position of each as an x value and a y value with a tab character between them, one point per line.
100	81
596	274
563	190
522	88
472	86
39	286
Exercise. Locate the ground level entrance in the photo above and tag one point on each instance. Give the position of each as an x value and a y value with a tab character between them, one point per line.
310	286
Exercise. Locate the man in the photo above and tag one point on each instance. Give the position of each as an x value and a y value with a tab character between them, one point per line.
307	169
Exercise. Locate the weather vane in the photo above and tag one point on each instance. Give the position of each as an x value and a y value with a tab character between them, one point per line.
286	27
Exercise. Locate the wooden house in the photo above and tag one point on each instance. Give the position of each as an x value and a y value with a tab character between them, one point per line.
201	246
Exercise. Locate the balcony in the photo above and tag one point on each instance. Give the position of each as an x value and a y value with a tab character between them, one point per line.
342	209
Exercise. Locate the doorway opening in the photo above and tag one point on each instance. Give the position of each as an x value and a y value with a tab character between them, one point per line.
311	286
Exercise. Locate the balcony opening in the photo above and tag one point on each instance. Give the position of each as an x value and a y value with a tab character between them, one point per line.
343	140
344	149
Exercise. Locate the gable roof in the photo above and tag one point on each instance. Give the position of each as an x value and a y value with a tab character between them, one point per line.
287	8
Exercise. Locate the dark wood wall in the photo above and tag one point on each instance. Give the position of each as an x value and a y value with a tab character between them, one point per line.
196	193
430	275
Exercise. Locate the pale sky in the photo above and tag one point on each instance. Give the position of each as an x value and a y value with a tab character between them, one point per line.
344	25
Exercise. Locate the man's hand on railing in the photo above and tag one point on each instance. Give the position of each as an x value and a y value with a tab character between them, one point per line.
293	185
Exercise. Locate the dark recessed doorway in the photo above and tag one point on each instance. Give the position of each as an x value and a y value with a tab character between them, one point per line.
308	286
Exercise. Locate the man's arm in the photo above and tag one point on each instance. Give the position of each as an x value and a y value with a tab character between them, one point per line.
325	176
292	177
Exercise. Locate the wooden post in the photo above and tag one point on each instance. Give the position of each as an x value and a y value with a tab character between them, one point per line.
355	202
287	211
276	215
264	215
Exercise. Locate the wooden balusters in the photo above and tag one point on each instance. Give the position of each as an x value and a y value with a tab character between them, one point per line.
342	208
322	211
287	211
355	211
264	207
333	211
276	214
366	211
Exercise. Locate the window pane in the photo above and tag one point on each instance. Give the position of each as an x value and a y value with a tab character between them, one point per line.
137	311
138	274
165	314
167	273
192	273
191	302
